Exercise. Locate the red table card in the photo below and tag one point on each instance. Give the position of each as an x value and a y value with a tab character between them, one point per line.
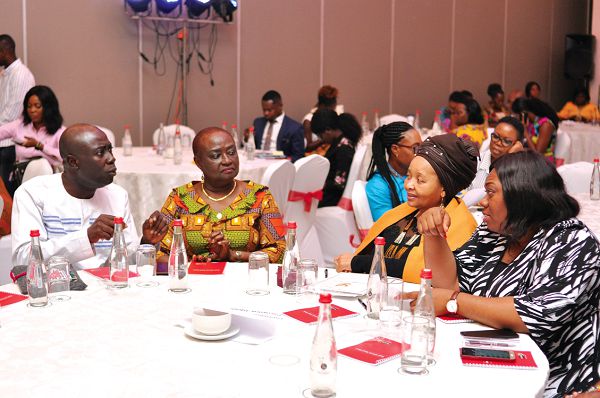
454	318
311	314
104	272
10	298
523	360
208	268
375	351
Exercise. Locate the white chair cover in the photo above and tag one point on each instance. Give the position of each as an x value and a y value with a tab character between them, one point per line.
311	172
37	167
6	263
335	225
109	134
391	118
486	143
473	196
279	177
187	134
362	211
563	147
576	176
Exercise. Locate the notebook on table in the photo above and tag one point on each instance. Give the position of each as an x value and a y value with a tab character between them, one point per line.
374	351
311	314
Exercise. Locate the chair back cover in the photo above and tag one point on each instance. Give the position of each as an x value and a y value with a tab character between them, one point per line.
37	167
577	176
279	177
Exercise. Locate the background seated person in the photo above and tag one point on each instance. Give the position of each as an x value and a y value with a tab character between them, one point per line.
341	133
496	109
533	90
446	112
385	186
468	119
74	211
579	108
506	138
540	123
531	267
37	132
443	166
276	131
326	99
224	219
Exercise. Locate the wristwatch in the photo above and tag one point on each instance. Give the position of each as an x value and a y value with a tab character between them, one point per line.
452	304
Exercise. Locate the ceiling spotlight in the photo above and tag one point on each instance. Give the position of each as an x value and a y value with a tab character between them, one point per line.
167	6
138	6
225	8
197	7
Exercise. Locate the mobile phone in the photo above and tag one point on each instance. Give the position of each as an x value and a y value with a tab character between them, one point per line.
496	334
481	353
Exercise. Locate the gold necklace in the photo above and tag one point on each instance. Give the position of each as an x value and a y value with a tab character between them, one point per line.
222	198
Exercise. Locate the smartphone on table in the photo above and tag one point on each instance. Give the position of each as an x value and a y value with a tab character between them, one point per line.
481	353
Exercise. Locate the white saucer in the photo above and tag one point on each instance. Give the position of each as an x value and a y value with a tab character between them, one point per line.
191	332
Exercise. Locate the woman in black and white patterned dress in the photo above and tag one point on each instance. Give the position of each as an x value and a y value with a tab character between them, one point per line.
531	267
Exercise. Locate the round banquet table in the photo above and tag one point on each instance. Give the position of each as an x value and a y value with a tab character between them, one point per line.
589	212
129	343
149	178
585	141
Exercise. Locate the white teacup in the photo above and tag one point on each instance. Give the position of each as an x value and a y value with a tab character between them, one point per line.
210	322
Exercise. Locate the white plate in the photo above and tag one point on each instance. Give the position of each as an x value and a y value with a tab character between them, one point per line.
191	332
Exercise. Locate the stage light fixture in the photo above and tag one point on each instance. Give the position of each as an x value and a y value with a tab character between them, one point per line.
138	6
197	7
225	8
167	6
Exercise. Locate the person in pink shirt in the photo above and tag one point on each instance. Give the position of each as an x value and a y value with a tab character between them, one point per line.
37	132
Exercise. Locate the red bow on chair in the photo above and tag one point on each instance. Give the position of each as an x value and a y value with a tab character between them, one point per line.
307	197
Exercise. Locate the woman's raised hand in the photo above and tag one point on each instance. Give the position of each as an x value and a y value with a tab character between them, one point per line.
434	221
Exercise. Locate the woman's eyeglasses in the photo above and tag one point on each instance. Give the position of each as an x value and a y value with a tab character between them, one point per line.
504	141
415	148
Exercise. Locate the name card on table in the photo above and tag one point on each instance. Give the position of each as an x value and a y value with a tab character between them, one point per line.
104	272
10	298
311	315
208	268
374	351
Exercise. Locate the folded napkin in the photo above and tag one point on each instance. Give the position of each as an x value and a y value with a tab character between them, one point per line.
9	298
208	268
104	272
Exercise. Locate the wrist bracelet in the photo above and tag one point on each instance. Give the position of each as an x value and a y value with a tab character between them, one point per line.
39	146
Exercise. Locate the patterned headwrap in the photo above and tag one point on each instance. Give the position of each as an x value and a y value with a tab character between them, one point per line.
453	159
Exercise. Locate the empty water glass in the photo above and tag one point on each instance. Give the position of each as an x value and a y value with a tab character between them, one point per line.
306	276
415	342
258	274
391	314
145	260
59	278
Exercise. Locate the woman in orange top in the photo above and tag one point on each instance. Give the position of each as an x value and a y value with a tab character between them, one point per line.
580	109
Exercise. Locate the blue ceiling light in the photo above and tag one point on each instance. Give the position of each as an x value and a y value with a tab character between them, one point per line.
225	8
138	6
197	7
167	6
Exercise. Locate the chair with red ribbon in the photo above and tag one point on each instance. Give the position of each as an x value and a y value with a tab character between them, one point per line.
303	199
336	227
279	177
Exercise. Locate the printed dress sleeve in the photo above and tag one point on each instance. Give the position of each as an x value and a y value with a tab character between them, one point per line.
271	231
471	257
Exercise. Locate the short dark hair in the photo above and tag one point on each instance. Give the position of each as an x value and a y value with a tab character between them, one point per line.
529	86
517	125
350	127
534	194
456	96
324	119
494	89
272	95
7	43
581	90
474	113
51	116
467	94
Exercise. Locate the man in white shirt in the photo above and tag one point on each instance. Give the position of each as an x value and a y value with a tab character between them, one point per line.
74	211
276	131
15	81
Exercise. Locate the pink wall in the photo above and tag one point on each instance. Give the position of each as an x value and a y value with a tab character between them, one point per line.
394	55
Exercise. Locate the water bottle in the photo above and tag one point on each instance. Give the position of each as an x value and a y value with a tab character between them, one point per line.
177	147
426	309
291	258
119	269
161	144
417	121
236	137
37	282
224	125
595	182
323	355
178	264
377	283
437	124
127	142
376	121
250	145
364	124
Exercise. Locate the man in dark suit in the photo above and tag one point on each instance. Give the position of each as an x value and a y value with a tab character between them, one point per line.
276	131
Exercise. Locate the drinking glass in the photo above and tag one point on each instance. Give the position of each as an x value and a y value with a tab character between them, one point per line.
59	278
258	274
391	314
415	341
306	276
145	261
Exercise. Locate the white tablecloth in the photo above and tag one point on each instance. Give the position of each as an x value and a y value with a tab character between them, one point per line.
589	212
105	343
585	141
149	178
